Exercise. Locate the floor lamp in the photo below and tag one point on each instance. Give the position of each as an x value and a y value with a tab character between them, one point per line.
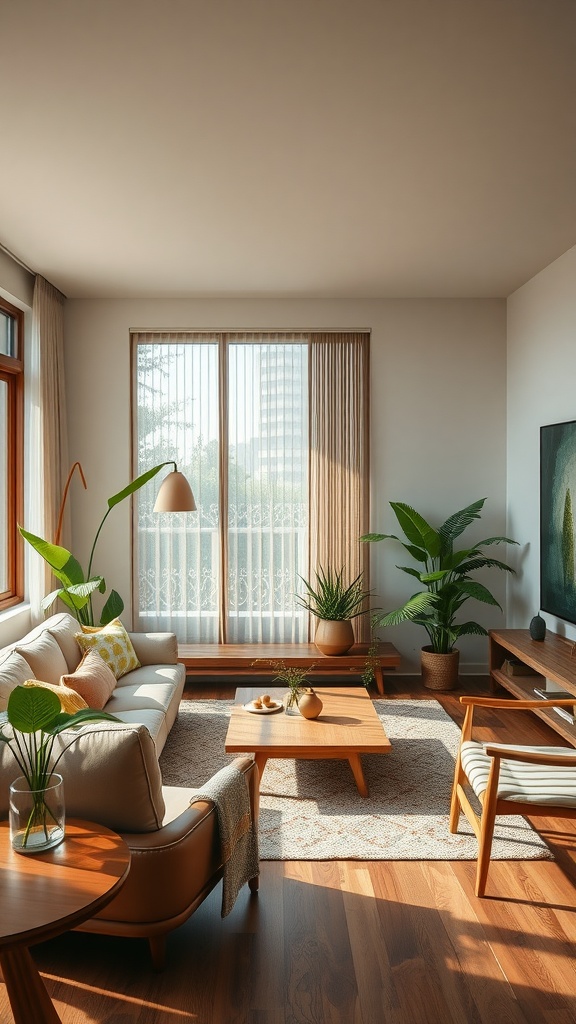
174	494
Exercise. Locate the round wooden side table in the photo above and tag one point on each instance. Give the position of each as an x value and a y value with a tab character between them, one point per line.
45	894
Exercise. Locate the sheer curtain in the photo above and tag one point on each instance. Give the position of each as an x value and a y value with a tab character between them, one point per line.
339	457
266	492
177	563
46	431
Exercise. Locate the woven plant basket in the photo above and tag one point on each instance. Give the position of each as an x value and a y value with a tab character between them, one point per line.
439	671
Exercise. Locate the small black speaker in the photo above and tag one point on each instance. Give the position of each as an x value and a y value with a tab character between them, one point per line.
538	628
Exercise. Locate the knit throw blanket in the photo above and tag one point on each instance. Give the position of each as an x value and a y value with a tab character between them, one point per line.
228	790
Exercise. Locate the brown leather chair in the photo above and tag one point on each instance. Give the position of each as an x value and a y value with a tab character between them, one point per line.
172	870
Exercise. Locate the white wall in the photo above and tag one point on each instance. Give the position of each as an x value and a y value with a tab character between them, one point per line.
541	389
438	417
16	283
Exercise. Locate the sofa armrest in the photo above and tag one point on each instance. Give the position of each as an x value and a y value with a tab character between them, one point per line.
173	869
155	648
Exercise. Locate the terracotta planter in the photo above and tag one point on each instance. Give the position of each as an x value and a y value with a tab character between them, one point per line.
439	671
334	636
309	704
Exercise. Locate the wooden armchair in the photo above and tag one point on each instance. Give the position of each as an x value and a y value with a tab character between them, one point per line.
509	779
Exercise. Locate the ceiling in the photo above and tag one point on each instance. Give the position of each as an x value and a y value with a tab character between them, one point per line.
283	148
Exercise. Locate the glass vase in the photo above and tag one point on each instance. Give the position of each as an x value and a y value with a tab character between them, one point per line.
37	816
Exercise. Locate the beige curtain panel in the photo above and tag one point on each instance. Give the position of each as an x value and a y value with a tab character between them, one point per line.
339	456
48	356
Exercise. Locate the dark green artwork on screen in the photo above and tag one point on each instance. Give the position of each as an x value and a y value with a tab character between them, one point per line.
557	540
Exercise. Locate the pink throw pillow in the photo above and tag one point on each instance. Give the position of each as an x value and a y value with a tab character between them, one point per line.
93	680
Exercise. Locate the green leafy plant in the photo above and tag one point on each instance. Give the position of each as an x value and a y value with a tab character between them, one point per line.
78	587
34	718
444	573
372	660
331	598
291	675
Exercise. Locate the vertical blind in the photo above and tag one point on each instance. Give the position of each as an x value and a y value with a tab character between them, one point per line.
257	423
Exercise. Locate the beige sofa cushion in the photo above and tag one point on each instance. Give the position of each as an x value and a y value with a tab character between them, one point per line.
45	657
63	627
14	670
155	722
111	776
155	648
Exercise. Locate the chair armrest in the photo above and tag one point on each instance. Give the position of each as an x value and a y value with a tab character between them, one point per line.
564	756
155	648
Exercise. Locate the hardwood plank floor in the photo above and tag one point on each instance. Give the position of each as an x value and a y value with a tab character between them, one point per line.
351	942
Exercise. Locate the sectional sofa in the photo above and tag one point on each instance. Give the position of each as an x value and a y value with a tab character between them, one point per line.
111	776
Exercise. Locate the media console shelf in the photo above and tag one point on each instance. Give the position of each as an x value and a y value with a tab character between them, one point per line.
553	658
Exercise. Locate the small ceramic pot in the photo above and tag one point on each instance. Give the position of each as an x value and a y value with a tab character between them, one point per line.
334	636
309	704
538	628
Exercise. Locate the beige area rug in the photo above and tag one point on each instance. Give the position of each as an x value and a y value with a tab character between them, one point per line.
311	810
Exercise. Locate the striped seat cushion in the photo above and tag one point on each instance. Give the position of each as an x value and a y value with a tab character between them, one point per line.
525	783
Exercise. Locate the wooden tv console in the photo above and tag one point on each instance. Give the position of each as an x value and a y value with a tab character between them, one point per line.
553	658
254	659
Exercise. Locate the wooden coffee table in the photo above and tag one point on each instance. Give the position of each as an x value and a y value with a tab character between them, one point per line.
348	726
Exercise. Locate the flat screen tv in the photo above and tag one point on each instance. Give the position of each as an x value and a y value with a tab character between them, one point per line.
557	529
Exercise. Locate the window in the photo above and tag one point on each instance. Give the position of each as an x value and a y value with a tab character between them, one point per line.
11	453
237	413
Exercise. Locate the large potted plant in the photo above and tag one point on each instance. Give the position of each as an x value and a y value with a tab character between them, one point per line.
445	575
334	603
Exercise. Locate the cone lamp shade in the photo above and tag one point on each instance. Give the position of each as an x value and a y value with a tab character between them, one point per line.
175	494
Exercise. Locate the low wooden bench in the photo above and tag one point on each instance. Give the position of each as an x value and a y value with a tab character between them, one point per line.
254	659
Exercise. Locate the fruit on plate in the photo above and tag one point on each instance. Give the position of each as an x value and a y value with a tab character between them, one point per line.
257	703
266	699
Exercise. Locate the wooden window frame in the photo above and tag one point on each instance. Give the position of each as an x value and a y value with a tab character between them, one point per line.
12	373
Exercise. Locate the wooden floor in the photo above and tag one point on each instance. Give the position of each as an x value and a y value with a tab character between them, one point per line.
350	942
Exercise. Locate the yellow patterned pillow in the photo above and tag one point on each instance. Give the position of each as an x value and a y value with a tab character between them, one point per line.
112	644
70	700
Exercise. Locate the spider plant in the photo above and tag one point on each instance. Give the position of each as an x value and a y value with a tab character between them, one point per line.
333	599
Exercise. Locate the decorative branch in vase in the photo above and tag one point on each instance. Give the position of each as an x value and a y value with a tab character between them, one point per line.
291	675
